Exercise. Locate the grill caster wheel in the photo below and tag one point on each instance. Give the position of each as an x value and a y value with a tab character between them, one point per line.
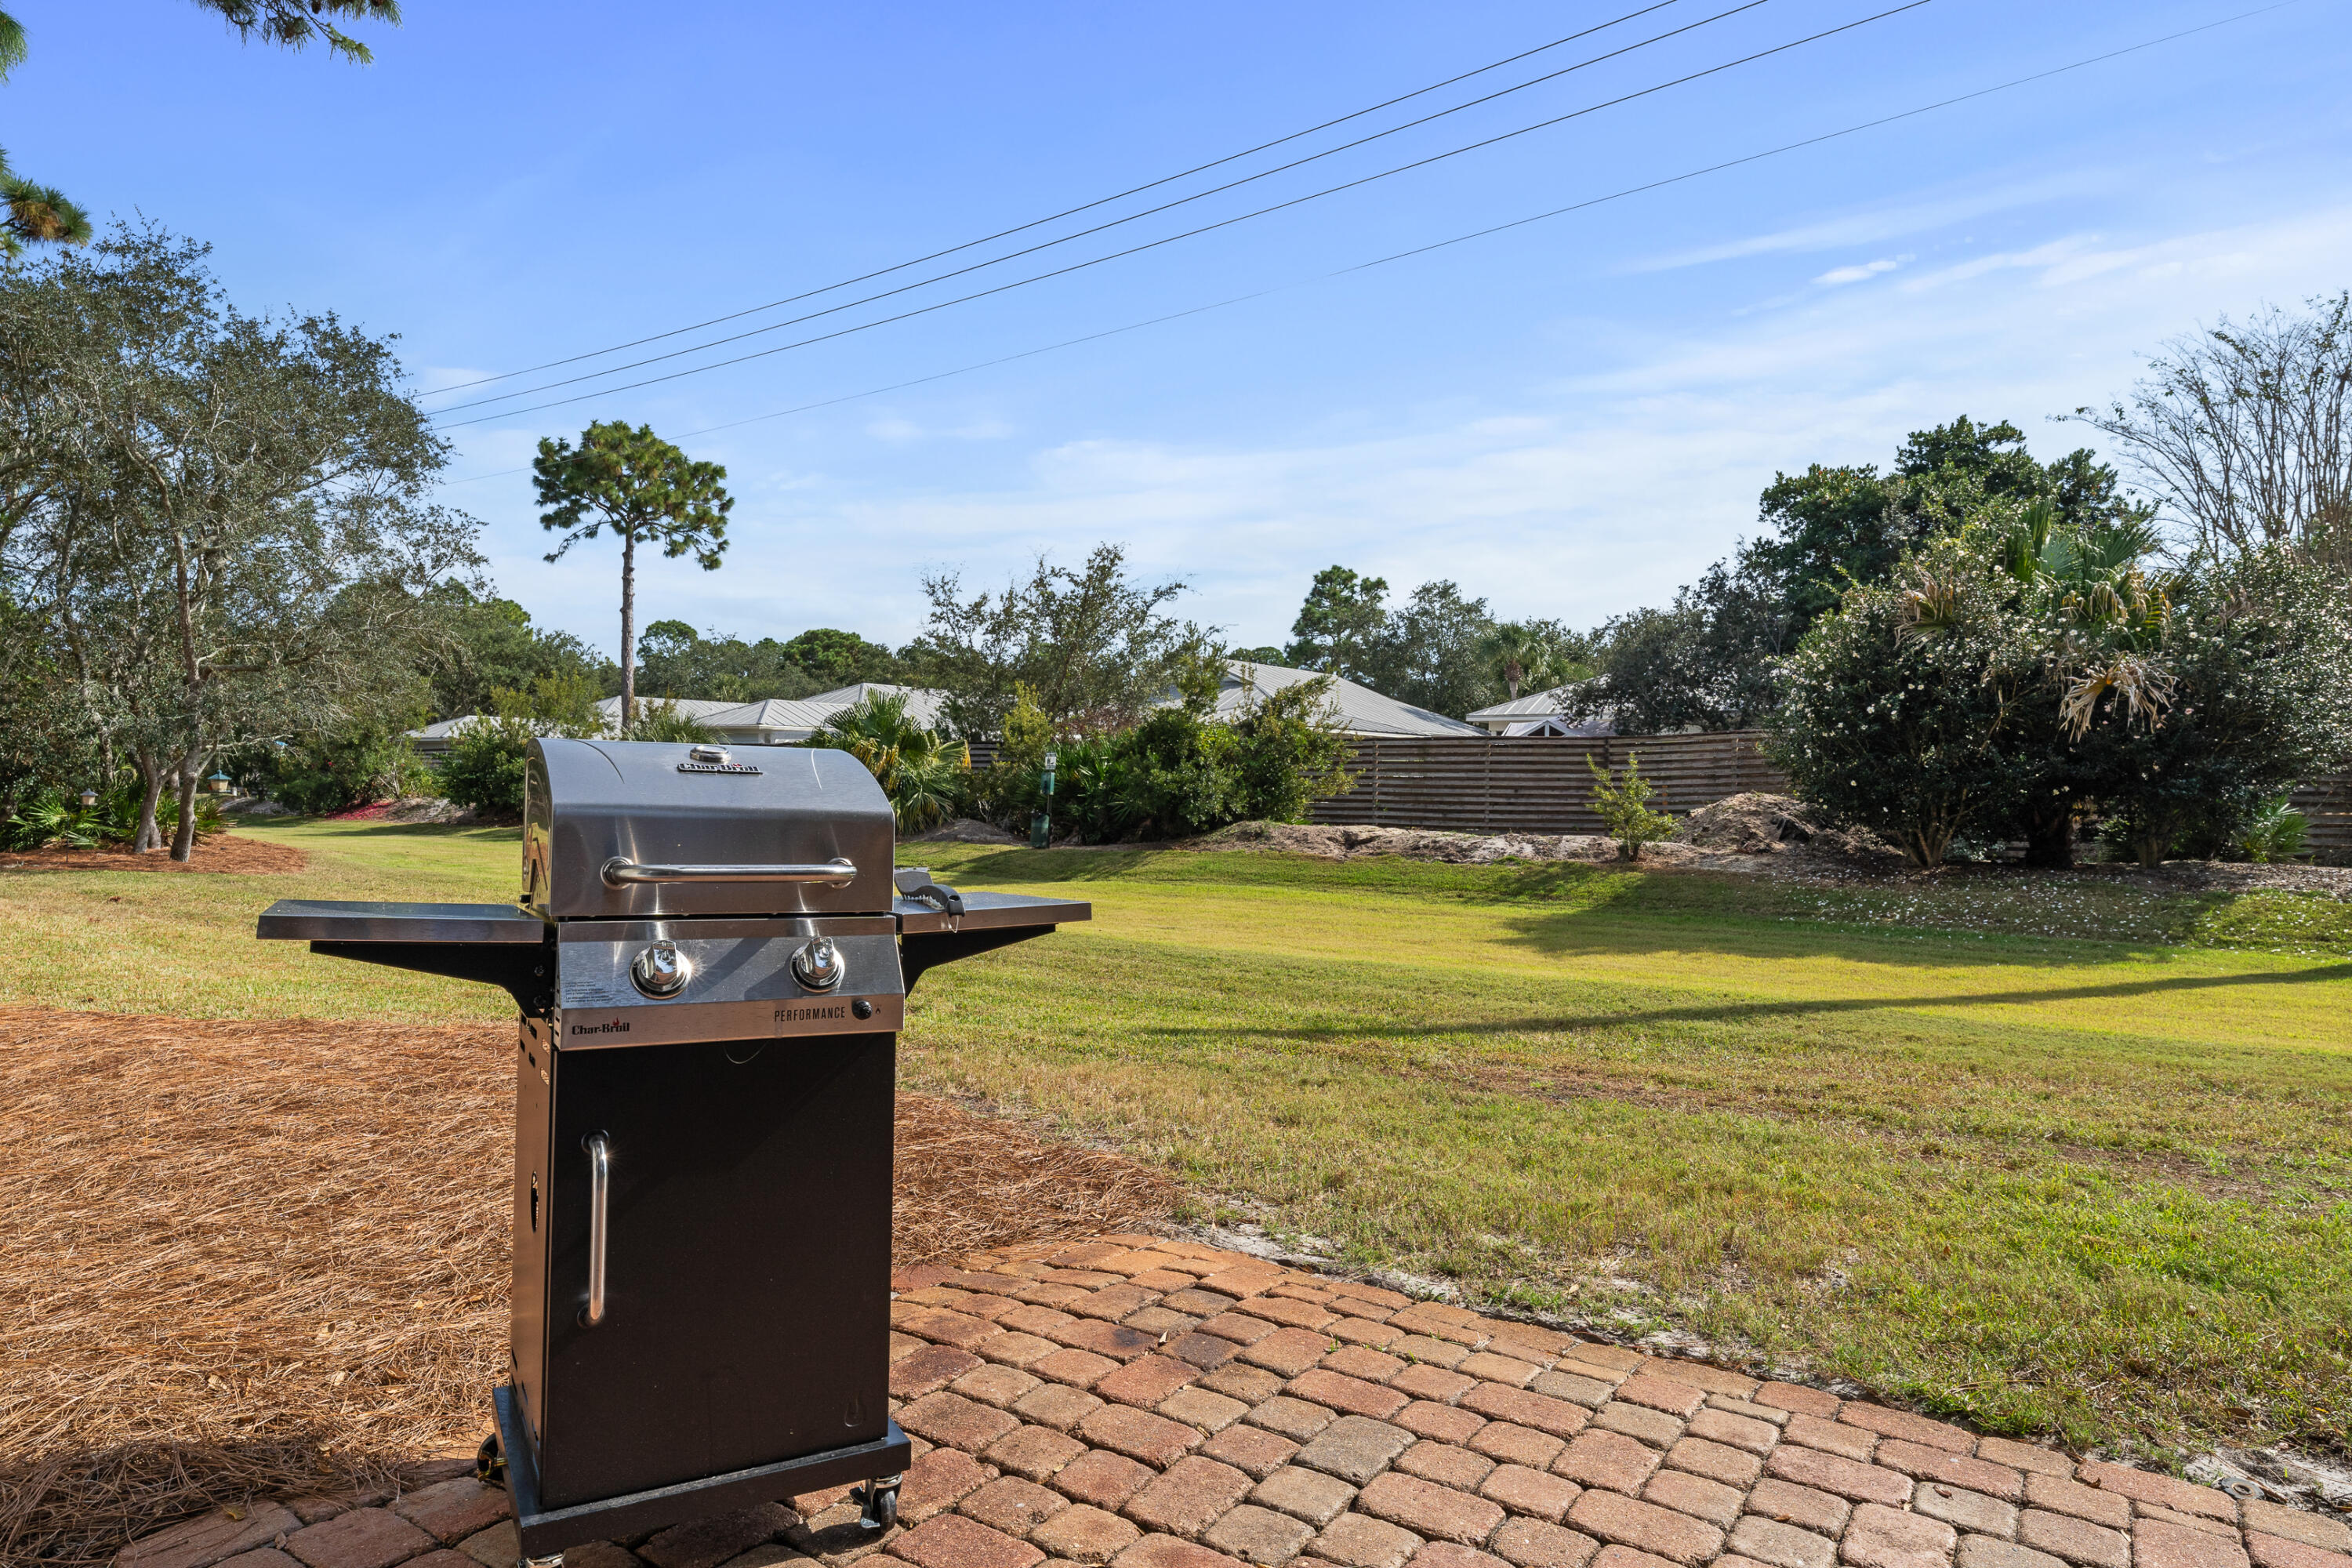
881	1501
490	1463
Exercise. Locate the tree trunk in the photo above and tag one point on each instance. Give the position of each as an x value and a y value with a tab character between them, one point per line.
184	840
628	632
2050	838
148	837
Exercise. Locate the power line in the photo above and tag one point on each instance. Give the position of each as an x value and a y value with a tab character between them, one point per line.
1067	212
1477	233
1169	240
1078	233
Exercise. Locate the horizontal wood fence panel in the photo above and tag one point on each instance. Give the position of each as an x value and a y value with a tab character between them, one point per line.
1540	784
1537	785
2328	804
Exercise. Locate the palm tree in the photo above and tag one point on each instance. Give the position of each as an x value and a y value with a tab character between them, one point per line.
1520	655
921	770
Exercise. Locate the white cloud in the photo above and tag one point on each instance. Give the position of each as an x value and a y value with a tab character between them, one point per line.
1862	273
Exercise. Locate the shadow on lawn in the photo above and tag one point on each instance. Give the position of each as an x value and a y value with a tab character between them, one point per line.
1733	1012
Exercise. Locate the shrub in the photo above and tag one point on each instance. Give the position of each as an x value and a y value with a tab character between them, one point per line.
1285	758
1909	735
56	819
2258	653
921	771
665	721
489	759
1624	805
2277	832
354	764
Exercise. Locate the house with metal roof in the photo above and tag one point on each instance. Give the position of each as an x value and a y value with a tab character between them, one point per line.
772	721
1349	706
1539	714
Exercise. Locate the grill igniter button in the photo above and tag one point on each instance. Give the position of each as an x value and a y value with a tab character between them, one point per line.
817	964
661	971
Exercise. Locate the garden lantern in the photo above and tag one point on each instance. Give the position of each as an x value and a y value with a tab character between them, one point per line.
89	799
711	959
1041	825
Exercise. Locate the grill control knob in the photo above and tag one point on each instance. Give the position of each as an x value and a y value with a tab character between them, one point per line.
817	965
661	969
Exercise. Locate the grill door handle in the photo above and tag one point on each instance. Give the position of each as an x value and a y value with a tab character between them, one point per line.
600	1206
623	872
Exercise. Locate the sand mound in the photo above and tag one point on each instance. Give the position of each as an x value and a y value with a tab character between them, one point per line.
1346	843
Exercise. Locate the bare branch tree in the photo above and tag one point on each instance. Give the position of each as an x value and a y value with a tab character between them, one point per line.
2244	434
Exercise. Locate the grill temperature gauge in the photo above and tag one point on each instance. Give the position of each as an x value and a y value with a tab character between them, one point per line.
661	971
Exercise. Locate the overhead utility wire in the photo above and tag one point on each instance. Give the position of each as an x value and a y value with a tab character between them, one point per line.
1078	233
1465	238
1067	212
1188	234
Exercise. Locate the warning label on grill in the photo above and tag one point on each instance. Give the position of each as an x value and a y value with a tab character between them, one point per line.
810	1014
716	768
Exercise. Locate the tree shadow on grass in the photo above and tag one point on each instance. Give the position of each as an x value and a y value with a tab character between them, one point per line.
1742	1012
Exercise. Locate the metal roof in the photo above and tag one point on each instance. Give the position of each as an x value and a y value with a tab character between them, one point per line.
1357	710
771	722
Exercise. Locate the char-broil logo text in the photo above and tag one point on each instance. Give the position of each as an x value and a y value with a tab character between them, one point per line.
618	1027
809	1015
716	768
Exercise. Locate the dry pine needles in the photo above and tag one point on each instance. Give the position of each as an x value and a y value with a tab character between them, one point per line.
250	1258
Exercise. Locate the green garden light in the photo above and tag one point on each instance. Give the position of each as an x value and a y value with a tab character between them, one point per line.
1041	825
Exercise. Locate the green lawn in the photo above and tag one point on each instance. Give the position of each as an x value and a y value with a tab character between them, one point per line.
2055	1160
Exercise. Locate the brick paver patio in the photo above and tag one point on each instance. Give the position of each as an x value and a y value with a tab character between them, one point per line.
1151	1403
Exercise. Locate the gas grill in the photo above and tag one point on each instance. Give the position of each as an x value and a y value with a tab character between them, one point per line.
711	953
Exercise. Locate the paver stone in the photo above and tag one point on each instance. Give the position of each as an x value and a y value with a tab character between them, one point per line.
1354	1447
1532	1544
1533	1492
369	1538
1782	1546
1188	1496
1258	1535
1966	1510
2076	1540
1645	1527
1428	1509
2156	1544
1882	1537
951	1541
1359	1540
1081	1534
1012	1505
200	1541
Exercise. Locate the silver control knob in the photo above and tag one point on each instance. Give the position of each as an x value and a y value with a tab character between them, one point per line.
817	965
661	969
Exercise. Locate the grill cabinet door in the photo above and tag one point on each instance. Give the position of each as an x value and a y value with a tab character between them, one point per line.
748	1260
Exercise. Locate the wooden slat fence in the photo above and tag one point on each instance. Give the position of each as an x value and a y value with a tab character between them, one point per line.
2328	804
1533	785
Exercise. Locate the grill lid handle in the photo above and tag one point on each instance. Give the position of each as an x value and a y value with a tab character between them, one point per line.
621	872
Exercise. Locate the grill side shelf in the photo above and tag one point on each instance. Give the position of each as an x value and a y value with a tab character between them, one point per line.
990	912
495	944
320	919
929	936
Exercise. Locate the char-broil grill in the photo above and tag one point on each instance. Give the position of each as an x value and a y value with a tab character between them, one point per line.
713	954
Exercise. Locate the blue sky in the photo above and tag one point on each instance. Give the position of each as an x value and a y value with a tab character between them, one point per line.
1568	418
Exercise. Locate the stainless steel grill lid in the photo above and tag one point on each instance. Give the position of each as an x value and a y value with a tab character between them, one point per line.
622	829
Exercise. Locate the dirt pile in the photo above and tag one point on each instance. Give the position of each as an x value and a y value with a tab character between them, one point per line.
1331	842
1774	824
965	830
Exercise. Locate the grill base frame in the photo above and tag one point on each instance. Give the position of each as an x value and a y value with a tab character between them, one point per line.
546	1531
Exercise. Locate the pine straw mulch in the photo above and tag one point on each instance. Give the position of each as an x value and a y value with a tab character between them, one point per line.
254	1257
220	852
